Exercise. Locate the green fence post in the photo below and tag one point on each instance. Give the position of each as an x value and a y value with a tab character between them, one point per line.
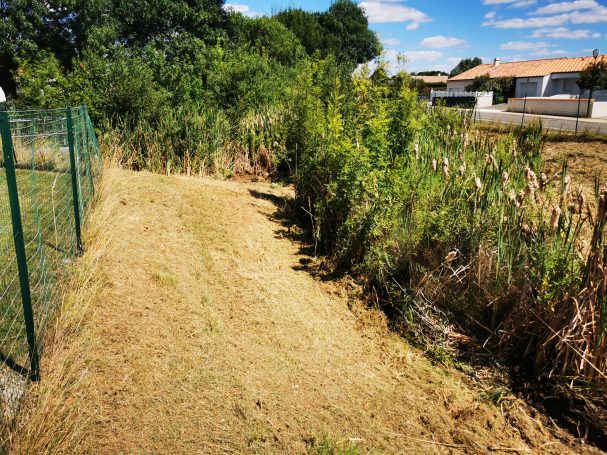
13	194
75	180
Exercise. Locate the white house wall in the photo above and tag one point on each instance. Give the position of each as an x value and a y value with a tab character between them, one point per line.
540	87
551	85
598	95
458	86
563	84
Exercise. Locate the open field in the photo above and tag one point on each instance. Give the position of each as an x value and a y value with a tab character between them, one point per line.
205	331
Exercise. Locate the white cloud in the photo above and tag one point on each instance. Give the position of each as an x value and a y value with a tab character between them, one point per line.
563	33
565	7
243	9
416	61
442	42
490	15
523	45
594	15
523	3
548	52
390	11
511	3
497	2
535	22
390	41
415	56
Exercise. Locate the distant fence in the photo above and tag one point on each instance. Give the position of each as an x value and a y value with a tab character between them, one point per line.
463	99
48	171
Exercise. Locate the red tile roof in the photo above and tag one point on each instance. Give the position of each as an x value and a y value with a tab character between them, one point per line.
431	79
529	68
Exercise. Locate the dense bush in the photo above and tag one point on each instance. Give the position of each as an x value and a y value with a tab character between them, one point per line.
448	226
155	73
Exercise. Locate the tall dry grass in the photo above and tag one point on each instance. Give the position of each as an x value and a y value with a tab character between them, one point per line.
200	143
57	413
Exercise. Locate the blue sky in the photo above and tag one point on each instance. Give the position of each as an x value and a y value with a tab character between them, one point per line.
436	34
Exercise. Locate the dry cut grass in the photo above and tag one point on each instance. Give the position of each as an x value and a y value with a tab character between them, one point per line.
194	327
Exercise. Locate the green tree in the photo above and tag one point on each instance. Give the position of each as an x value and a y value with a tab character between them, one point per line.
305	26
342	31
42	82
347	33
28	27
464	65
143	21
594	77
430	73
267	36
502	87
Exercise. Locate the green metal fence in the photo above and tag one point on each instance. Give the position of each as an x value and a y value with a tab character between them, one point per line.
48	170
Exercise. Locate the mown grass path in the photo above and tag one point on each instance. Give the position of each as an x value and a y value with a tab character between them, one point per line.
208	336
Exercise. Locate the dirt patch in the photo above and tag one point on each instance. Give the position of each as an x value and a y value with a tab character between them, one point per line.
208	336
586	160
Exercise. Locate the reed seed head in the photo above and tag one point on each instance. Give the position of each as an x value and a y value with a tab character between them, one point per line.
555	217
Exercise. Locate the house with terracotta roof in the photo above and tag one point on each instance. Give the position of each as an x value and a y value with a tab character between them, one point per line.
431	79
553	77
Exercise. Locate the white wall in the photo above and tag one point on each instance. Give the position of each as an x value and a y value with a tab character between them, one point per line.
550	106
540	87
458	86
599	109
562	86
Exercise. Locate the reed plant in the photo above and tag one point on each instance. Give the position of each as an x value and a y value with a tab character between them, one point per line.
454	228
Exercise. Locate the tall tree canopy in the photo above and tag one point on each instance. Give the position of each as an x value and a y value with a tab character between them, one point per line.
464	65
342	31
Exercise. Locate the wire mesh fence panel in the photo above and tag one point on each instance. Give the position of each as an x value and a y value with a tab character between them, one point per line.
39	150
